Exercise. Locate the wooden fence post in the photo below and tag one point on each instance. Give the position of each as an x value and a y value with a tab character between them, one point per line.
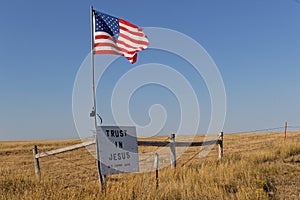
173	150
220	144
156	168
36	163
285	130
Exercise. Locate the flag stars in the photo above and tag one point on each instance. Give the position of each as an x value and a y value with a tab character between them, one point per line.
107	23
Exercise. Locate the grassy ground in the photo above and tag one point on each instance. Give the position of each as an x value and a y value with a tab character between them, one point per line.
255	166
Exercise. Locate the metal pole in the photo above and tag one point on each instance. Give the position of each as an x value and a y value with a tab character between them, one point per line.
93	113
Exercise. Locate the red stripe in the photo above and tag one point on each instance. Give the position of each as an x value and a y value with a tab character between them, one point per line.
107	52
102	37
127	23
134	59
138	42
137	33
130	52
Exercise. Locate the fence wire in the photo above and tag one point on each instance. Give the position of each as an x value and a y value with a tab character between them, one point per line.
280	128
78	166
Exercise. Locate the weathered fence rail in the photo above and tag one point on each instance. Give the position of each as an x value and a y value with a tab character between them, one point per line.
172	144
177	144
61	150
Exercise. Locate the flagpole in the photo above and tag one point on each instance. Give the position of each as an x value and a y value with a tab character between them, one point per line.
94	113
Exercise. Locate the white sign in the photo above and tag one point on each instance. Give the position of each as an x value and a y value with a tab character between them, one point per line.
117	149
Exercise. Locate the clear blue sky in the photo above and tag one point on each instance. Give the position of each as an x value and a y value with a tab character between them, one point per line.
255	44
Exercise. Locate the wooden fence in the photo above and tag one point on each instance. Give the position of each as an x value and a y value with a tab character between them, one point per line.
171	143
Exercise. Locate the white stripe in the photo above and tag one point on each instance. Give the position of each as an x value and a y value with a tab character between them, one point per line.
135	45
104	41
127	48
140	38
134	30
109	40
129	27
108	48
101	33
129	56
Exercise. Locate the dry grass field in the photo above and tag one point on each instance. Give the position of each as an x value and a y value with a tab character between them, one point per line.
254	166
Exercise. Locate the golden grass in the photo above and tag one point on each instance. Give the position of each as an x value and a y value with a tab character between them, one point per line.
255	166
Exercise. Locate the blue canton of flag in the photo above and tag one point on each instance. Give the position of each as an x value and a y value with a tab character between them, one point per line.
108	24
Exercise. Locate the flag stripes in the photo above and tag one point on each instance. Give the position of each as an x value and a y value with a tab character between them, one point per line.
129	40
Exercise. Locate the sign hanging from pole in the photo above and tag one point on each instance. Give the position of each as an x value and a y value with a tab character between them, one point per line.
117	149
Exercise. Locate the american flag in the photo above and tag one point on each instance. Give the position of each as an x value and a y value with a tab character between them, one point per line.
117	36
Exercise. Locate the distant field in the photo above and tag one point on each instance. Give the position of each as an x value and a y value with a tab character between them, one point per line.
255	166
